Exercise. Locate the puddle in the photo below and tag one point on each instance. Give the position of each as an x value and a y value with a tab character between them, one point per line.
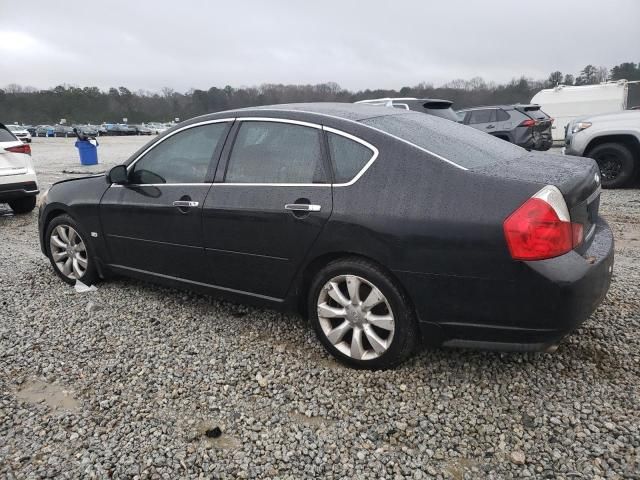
55	396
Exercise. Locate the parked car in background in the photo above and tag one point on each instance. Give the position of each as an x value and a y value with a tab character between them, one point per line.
18	182
31	129
45	131
566	102
20	132
88	130
432	106
120	129
156	127
354	215
63	131
141	130
612	140
525	125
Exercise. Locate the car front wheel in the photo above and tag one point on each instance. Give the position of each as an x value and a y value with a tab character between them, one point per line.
616	163
361	316
69	252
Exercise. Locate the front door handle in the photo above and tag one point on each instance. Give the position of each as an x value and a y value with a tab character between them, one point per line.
491	126
185	203
302	207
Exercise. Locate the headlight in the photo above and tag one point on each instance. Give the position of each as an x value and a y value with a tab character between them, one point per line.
578	127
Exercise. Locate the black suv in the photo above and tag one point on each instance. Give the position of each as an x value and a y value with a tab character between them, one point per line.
525	125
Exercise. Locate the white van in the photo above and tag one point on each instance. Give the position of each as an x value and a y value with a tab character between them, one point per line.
565	103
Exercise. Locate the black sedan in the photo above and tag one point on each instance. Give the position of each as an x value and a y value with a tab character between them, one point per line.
388	228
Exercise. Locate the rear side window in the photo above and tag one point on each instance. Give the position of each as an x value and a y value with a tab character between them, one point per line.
182	158
273	152
462	145
482	116
502	116
6	135
536	113
349	157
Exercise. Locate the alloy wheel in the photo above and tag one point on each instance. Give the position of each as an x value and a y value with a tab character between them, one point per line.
355	317
68	252
610	166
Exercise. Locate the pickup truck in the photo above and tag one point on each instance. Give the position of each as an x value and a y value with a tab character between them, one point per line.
612	140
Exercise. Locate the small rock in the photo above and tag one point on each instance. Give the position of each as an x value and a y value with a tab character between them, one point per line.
92	307
518	457
261	380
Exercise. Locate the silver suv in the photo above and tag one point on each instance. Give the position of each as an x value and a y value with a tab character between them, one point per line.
612	140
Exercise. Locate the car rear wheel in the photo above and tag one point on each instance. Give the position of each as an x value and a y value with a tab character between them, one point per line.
69	252
23	205
616	164
361	316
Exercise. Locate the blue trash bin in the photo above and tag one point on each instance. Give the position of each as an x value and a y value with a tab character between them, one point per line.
88	152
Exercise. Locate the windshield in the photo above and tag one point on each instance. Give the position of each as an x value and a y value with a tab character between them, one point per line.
14	128
458	143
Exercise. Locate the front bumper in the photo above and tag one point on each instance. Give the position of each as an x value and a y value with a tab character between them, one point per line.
531	312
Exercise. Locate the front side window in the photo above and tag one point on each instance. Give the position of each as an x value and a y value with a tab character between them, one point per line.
182	158
274	152
349	157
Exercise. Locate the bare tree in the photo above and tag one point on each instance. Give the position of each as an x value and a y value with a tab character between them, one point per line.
602	75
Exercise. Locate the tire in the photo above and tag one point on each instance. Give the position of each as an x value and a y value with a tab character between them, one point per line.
89	272
617	166
23	205
395	338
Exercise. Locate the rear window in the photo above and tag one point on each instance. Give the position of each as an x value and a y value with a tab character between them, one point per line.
460	144
536	113
6	135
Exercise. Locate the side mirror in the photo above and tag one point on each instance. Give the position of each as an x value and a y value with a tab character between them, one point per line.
118	175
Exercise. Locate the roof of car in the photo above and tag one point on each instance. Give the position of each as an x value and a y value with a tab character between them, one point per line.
346	111
504	107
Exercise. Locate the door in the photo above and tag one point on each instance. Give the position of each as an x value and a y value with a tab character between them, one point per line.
271	199
484	119
154	223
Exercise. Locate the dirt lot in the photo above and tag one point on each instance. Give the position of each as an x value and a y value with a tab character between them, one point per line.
133	380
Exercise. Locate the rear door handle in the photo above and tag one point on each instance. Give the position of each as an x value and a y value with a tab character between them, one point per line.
303	207
185	203
491	126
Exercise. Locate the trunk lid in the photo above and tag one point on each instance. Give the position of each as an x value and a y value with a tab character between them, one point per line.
578	178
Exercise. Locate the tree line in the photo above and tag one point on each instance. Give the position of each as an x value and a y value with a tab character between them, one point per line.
28	105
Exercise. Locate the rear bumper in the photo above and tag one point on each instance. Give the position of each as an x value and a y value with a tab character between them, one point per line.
548	300
12	191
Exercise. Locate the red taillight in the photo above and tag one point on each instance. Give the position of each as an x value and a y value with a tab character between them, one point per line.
527	123
541	228
24	148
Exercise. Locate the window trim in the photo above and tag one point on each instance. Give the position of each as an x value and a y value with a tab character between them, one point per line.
375	152
151	147
323	128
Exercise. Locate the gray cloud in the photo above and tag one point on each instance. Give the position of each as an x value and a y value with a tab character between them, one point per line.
149	45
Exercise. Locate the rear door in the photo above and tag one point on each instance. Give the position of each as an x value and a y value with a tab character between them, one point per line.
484	119
154	223
271	199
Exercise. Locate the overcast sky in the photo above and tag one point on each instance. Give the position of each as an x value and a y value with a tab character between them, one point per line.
358	44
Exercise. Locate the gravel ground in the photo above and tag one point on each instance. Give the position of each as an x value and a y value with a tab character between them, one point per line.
140	381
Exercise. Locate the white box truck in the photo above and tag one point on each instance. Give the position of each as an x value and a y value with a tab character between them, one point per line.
566	103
